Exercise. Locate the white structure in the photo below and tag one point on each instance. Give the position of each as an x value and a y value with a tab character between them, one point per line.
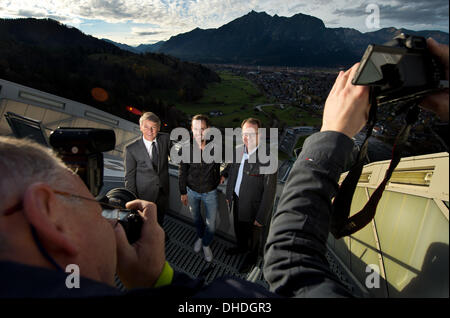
55	111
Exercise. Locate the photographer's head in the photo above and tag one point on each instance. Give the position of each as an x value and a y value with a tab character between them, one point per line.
39	192
150	125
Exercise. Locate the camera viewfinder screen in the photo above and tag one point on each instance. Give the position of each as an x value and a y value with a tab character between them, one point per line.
409	68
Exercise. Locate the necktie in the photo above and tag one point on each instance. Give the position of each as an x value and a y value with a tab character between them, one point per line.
154	156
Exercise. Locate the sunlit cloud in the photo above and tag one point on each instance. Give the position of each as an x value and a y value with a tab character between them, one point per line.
154	20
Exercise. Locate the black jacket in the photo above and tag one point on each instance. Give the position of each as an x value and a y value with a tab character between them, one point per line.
201	177
295	263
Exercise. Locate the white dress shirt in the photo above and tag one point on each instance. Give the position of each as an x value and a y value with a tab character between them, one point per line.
148	145
245	156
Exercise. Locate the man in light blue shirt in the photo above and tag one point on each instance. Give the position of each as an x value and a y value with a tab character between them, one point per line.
252	193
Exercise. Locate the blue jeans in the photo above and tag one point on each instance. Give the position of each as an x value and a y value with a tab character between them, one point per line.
210	200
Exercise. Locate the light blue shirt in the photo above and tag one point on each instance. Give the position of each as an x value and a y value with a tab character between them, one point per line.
245	156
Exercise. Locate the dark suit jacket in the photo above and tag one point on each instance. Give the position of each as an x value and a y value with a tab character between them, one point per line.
140	177
257	191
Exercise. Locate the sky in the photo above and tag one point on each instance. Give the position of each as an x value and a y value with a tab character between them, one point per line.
135	22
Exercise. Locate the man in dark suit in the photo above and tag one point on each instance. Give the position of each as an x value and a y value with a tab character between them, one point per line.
251	193
146	164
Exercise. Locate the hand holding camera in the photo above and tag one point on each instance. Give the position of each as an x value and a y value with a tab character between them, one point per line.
140	264
347	106
402	71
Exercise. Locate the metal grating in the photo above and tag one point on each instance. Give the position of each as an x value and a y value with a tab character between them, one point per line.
181	256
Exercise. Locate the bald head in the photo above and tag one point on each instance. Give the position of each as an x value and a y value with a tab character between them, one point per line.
23	162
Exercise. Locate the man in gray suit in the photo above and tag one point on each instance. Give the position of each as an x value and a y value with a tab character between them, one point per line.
251	194
146	164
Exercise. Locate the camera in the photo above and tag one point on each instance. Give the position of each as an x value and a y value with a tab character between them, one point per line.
81	150
402	70
130	220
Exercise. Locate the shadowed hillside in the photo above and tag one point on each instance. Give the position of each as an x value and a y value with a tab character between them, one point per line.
61	60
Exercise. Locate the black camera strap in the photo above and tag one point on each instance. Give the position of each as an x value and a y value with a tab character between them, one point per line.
341	225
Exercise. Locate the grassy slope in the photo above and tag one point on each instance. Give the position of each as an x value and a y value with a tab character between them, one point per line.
235	96
293	116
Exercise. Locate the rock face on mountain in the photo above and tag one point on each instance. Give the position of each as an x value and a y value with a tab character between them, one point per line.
261	39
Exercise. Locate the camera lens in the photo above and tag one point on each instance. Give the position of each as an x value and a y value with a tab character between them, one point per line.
130	220
120	196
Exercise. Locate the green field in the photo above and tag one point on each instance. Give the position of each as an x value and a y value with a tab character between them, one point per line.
237	97
294	116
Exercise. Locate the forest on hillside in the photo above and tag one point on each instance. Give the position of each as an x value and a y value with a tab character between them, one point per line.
48	56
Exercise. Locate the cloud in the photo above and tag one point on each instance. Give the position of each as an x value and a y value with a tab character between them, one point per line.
32	13
404	13
180	16
333	22
148	33
170	13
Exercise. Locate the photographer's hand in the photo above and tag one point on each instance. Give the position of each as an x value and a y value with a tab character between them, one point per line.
140	264
438	103
347	106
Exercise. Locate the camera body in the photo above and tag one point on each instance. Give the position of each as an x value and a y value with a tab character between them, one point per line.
402	70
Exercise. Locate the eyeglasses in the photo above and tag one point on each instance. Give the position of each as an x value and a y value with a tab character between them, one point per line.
249	135
109	211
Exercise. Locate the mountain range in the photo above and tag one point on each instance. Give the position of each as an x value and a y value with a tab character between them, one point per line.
142	48
260	39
